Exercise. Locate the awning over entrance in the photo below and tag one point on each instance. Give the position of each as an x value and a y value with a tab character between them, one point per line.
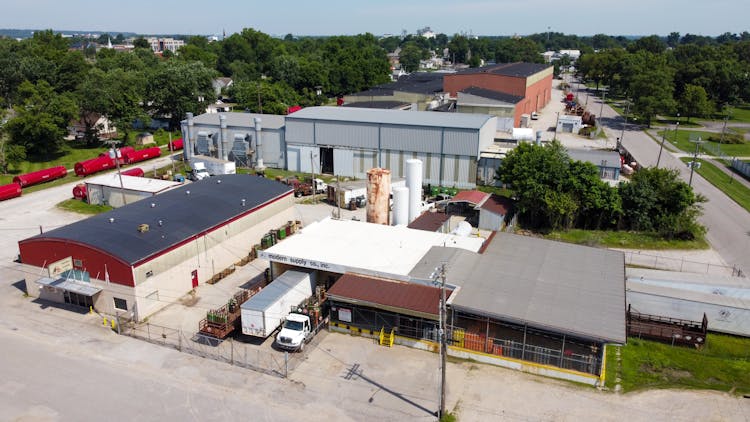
74	286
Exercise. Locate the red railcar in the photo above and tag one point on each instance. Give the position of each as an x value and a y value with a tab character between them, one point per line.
120	154
94	165
40	176
175	145
135	171
79	191
142	155
9	191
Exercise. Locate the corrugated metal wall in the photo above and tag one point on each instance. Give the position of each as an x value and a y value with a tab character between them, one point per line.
364	161
273	153
432	169
420	139
292	157
300	132
461	142
352	135
449	170
489	220
463	174
486	171
343	162
306	161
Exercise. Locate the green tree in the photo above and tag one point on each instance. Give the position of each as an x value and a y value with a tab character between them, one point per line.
651	85
41	119
409	57
657	200
175	88
141	42
694	102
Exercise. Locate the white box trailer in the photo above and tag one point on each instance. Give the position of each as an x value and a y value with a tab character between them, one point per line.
349	190
263	313
214	166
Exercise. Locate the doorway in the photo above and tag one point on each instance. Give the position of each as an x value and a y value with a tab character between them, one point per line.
326	160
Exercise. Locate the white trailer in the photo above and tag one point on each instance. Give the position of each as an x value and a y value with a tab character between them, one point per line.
214	166
263	313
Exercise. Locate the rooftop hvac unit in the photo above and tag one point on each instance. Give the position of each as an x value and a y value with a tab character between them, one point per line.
143	228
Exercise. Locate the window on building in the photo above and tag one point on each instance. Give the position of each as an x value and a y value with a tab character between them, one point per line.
121	304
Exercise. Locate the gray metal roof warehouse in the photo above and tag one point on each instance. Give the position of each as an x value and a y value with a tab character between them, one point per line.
549	285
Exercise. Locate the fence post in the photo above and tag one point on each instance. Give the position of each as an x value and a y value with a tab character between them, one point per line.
286	364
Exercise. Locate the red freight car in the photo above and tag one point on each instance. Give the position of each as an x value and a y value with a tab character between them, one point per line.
135	171
79	191
175	145
142	155
11	190
40	176
94	165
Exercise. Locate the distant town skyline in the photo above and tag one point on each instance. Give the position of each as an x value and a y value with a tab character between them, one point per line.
334	17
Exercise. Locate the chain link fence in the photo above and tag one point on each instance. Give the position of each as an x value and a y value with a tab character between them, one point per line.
678	264
741	167
260	358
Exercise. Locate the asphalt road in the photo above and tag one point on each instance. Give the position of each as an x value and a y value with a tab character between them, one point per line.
728	224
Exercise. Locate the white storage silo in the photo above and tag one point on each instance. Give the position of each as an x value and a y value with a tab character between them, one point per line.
400	206
414	183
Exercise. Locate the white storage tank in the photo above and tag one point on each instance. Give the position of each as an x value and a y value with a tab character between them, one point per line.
414	183
400	206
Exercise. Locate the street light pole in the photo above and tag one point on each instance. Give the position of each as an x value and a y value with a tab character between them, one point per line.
622	132
695	160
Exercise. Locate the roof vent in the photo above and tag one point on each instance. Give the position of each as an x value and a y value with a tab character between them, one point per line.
111	220
187	192
243	202
218	181
161	223
153	205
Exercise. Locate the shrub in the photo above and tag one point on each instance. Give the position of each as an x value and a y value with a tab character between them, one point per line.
729	138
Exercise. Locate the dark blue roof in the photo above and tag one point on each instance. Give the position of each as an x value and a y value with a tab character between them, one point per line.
209	203
518	69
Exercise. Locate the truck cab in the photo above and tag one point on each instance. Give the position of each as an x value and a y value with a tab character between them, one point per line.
295	332
199	171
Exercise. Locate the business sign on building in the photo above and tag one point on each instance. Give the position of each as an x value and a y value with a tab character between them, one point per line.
58	267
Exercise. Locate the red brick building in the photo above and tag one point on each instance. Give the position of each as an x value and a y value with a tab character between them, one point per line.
530	81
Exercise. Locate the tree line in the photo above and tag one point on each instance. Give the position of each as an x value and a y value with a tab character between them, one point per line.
553	192
694	76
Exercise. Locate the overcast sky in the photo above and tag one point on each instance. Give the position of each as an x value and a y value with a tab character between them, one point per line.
332	17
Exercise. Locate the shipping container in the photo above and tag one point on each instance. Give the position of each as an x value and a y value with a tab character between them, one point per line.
94	165
142	155
40	176
175	145
79	191
135	171
9	191
263	313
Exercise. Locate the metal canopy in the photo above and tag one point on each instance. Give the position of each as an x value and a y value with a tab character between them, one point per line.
75	286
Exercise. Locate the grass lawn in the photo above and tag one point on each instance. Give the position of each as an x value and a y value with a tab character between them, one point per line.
623	239
733	189
683	142
161	137
740	114
722	364
75	205
67	158
273	173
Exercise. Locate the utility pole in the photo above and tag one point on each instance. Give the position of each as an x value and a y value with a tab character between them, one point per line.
622	132
661	147
442	335
695	160
724	129
601	107
111	143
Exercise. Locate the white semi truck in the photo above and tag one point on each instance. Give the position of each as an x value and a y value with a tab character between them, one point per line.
209	166
263	313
